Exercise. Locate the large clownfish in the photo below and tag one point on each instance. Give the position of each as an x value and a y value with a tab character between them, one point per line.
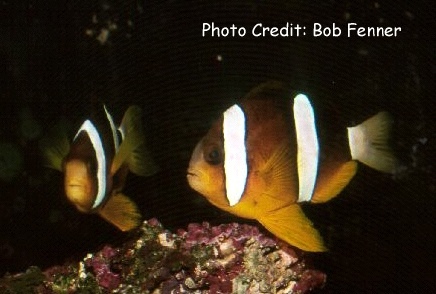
264	157
96	163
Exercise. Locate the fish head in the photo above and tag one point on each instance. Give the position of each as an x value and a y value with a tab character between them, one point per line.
80	186
88	181
205	173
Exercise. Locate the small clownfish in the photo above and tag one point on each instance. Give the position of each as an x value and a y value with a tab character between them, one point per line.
96	163
264	157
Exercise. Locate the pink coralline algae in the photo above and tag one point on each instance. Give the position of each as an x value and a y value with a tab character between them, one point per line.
100	264
229	258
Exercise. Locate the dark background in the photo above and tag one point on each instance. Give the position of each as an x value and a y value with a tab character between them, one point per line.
380	230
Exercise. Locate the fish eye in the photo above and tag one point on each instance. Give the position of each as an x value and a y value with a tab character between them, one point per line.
213	156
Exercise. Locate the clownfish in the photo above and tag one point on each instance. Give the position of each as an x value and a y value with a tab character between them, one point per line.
96	163
264	157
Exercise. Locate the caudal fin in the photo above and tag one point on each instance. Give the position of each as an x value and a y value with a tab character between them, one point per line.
132	150
369	143
121	212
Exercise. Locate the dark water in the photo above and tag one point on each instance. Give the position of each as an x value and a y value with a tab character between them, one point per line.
380	229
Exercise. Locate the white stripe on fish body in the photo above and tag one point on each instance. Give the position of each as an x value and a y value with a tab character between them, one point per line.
307	147
96	142
235	153
113	128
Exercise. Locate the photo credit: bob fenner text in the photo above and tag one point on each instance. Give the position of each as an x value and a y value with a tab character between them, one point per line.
296	30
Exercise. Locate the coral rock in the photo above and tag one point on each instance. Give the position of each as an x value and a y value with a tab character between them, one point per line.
229	258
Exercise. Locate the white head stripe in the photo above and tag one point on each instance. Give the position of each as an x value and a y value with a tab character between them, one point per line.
235	154
308	147
88	127
113	127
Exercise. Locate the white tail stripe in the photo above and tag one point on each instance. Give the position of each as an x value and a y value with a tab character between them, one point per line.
308	147
94	136
358	146
235	154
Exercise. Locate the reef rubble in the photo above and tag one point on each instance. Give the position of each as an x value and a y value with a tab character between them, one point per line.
228	258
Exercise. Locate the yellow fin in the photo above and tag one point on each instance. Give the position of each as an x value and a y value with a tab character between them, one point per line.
133	150
121	212
279	173
55	146
369	143
291	225
332	183
141	163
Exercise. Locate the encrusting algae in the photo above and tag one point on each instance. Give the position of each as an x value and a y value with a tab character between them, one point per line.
229	258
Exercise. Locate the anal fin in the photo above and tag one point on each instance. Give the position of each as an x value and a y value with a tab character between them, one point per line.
121	212
331	182
292	226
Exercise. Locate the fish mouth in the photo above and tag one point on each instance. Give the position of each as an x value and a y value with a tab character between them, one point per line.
194	179
191	173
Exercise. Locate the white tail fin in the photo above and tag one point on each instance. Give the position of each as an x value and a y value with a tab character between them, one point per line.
369	143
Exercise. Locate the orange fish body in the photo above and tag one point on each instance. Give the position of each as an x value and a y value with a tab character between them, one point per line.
271	189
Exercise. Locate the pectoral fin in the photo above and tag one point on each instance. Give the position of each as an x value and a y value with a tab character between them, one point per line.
133	150
121	212
291	225
141	163
280	170
55	146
